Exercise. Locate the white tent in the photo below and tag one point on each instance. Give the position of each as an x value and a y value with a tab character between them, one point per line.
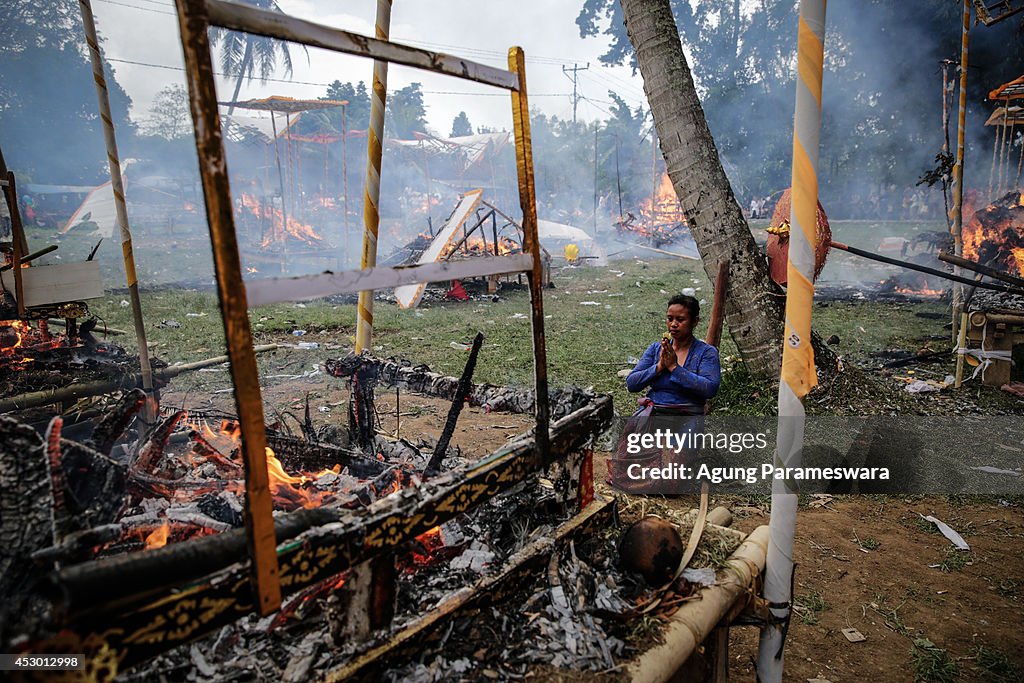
97	214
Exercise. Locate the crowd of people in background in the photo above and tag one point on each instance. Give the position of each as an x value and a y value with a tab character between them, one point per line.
885	203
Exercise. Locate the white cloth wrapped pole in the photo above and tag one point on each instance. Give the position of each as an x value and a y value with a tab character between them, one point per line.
798	373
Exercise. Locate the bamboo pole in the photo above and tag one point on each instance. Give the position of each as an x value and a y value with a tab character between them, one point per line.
925	269
694	621
958	167
106	330
664	251
117	185
595	181
947	89
34	399
1004	147
371	196
714	336
259	521
343	258
20	244
961	341
798	372
1020	161
31	257
280	183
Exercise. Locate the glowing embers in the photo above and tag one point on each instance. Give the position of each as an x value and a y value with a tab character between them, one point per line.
187	479
994	234
21	343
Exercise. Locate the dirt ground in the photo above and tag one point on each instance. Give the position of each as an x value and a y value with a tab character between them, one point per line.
864	562
476	433
870	563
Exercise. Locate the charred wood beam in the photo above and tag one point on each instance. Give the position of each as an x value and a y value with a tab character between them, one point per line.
113	423
30	257
361	413
421	380
109	583
925	269
335	541
298	455
461	391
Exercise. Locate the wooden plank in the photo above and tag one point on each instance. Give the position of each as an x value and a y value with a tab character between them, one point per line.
531	244
276	25
213	170
409	296
277	290
58	283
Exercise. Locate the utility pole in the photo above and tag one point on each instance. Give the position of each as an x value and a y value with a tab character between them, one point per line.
575	97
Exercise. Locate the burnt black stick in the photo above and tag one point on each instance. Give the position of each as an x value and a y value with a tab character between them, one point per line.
461	392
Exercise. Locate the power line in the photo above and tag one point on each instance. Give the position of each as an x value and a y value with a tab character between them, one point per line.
325	85
144	9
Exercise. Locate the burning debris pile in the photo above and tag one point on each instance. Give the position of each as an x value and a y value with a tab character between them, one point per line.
34	358
661	220
272	226
125	516
995	234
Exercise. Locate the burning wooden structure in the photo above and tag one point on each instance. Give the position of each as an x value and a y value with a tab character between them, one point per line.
661	219
470	231
343	525
283	232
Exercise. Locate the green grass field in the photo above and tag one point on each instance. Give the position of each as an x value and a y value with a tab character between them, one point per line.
597	319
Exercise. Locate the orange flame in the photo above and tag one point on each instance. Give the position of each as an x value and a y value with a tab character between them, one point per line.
660	214
158	538
995	231
16	330
18	342
476	246
663	206
295	230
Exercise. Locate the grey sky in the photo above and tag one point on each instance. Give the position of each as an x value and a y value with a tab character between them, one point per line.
145	31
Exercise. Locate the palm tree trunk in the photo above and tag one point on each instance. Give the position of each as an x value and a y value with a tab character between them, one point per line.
243	67
754	303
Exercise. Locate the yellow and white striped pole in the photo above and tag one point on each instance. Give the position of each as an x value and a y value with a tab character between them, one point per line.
118	187
371	196
798	374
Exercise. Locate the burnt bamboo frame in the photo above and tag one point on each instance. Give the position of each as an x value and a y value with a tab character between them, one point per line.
315	544
195	17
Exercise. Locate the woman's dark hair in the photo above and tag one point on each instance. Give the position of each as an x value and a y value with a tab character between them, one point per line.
691	304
